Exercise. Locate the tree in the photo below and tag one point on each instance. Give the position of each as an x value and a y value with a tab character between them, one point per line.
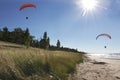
27	38
45	36
5	34
48	43
45	42
18	36
35	43
32	42
58	44
1	34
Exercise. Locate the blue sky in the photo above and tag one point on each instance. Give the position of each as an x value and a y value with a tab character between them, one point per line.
63	20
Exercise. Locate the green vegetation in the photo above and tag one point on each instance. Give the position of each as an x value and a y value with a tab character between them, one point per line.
45	42
19	63
23	37
58	44
27	38
40	61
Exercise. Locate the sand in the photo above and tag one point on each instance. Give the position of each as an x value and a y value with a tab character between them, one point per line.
98	68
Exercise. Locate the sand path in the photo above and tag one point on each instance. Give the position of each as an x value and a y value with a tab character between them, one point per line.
98	68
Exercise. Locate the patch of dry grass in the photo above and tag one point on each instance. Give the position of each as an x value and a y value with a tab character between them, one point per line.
19	63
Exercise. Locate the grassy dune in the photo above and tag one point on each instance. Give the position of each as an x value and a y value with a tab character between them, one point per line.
19	63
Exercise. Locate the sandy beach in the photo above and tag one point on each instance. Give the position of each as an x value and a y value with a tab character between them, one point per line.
98	68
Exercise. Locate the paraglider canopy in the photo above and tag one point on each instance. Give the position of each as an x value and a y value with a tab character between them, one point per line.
26	6
106	35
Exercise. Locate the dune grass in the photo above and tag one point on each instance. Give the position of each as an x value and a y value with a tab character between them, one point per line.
36	64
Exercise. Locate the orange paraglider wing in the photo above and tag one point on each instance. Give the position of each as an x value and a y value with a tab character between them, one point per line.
27	5
106	35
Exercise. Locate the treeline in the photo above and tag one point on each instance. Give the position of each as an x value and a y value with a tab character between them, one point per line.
23	37
18	36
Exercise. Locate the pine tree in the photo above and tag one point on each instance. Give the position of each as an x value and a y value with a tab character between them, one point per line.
5	34
18	36
1	34
27	38
45	42
58	44
45	36
48	42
